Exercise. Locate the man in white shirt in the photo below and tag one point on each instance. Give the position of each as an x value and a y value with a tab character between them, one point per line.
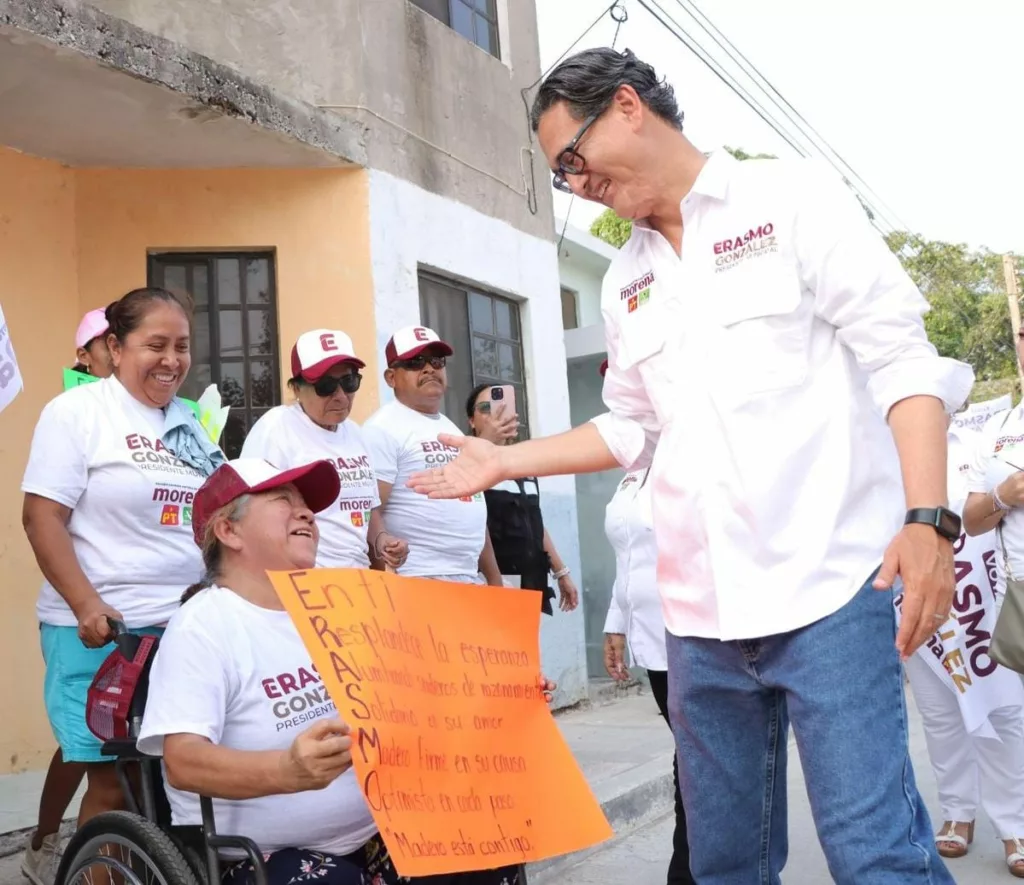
760	335
447	539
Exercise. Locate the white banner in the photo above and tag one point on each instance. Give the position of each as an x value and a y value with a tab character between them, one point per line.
958	652
10	375
976	415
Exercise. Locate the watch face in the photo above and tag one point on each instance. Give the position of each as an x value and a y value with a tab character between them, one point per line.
949	523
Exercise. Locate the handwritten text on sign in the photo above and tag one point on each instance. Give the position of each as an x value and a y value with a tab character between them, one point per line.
457	755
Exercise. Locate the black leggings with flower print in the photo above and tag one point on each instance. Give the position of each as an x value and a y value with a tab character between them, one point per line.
369	865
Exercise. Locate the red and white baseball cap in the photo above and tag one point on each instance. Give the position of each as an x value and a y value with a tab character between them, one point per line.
412	341
317	482
93	324
318	351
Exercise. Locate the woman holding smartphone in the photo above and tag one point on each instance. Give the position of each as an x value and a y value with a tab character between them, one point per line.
522	546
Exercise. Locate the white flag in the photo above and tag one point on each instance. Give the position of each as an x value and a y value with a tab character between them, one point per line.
10	375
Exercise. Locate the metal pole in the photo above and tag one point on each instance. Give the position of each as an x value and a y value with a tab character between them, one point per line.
1013	298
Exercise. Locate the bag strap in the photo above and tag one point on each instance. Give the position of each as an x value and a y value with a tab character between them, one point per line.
999	525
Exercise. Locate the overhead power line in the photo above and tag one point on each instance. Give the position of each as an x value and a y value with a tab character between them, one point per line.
673	27
752	71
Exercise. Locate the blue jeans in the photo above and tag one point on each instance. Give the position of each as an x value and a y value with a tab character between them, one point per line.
840	683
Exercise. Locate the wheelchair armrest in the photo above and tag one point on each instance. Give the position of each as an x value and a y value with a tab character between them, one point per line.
123	749
213	842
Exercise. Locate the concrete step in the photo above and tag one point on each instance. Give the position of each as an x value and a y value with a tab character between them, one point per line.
624	749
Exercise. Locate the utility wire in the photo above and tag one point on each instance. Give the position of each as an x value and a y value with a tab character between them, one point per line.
709	27
620	16
665	18
531	197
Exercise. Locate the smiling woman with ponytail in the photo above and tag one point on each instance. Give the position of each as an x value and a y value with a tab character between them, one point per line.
109	465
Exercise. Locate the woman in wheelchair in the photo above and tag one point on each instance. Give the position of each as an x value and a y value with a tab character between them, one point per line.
236	708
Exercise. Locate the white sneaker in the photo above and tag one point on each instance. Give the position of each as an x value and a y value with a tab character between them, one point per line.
40	866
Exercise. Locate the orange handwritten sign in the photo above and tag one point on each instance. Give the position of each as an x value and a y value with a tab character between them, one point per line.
455	750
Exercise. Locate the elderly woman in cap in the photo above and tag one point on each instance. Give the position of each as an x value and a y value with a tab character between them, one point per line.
317	425
282	779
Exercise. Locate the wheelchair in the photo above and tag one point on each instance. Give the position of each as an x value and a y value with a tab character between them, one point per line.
141	846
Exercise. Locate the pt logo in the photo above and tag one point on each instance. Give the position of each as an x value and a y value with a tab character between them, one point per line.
170	514
357	518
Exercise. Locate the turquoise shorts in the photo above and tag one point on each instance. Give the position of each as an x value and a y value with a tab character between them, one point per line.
70	669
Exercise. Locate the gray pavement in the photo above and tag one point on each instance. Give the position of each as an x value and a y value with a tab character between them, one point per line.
641	856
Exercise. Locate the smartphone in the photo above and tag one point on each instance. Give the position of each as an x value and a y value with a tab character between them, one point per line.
503	398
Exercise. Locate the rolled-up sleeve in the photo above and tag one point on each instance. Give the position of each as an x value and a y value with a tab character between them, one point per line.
630	427
861	288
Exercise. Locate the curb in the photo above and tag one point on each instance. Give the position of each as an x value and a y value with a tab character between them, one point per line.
645	801
16	841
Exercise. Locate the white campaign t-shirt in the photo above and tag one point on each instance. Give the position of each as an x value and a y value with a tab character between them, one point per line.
239	675
97	450
997	452
286	437
446	537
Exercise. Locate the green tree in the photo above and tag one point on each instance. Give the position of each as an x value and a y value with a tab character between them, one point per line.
969	318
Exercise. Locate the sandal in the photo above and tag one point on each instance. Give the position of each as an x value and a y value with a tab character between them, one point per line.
1015	861
950	844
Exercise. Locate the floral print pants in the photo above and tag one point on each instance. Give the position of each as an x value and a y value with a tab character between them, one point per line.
369	865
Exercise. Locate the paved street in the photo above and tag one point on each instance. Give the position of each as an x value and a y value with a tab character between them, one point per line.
642	858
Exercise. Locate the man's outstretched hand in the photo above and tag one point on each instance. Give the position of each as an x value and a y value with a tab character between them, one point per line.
478	467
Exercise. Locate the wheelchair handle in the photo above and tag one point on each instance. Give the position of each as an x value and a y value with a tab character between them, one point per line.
118	628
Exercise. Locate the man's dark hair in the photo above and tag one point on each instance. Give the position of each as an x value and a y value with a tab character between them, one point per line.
588	81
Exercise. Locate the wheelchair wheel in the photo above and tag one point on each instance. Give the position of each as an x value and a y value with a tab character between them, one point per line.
120	848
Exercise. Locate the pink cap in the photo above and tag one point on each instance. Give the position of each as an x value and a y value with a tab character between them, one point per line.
318	483
93	324
317	351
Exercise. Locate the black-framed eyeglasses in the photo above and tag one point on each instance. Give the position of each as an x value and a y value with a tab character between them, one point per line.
329	384
418	363
570	161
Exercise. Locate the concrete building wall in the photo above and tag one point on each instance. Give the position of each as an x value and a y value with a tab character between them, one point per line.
412	229
40	302
398	72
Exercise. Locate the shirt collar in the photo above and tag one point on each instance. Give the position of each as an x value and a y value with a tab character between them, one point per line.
712	181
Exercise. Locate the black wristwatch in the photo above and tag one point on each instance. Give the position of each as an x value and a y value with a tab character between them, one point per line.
945	522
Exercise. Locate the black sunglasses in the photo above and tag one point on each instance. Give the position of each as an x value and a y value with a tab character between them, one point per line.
418	363
570	161
328	385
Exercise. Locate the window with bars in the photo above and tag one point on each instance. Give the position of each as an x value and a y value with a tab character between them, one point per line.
234	338
486	334
476	20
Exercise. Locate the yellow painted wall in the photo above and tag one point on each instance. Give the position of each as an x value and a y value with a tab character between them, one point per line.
39	296
72	240
316	220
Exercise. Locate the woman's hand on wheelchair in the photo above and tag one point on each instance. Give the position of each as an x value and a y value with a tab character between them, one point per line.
316	757
93	627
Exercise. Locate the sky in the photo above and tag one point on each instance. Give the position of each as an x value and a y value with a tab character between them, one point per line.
920	97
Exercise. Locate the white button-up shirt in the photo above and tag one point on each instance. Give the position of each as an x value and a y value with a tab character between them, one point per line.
635	608
754	373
